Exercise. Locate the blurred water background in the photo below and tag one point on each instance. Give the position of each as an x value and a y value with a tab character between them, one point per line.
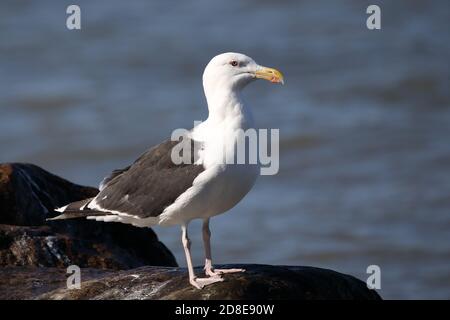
364	120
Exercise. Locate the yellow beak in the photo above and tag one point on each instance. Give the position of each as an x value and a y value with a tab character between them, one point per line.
270	74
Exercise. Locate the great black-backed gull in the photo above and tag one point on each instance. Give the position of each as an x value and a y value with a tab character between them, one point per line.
156	191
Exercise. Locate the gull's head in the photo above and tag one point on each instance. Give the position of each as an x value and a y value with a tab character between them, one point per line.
235	70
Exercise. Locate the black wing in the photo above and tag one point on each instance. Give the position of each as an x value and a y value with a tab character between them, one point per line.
151	183
112	176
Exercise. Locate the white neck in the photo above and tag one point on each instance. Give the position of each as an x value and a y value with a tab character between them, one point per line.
227	114
226	104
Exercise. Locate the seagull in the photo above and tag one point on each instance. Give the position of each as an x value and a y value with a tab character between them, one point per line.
156	190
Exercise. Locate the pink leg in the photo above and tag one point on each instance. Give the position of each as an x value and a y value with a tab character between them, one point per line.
199	283
209	269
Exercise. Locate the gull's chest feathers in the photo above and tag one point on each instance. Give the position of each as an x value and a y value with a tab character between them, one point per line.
232	181
219	134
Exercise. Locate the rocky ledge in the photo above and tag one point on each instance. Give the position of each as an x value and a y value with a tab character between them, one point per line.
29	194
119	261
258	282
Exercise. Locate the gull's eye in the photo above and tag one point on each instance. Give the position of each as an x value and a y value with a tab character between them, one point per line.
234	63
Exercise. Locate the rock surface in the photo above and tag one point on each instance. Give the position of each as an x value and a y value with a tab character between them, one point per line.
258	282
28	195
18	283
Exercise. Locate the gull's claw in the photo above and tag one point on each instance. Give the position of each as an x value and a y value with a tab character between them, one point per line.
217	272
199	283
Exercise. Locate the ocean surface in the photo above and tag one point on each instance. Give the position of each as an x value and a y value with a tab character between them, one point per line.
364	120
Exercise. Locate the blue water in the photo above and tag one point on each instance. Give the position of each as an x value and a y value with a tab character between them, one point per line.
364	120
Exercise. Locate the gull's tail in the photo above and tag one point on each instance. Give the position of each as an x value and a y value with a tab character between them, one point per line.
80	209
76	210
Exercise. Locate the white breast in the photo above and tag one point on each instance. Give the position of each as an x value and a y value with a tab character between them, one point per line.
223	183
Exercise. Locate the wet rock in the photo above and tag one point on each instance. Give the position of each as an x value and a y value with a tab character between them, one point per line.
258	282
84	243
28	195
18	283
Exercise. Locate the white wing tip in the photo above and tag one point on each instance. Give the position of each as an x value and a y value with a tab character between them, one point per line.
62	209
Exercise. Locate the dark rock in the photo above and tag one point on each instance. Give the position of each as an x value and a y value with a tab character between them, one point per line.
28	195
258	282
91	244
18	283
